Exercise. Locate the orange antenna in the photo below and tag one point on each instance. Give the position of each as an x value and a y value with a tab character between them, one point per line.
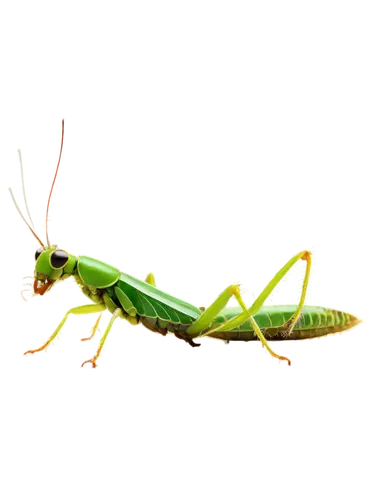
23	218
54	179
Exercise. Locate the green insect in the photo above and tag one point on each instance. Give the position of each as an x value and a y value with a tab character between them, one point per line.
140	301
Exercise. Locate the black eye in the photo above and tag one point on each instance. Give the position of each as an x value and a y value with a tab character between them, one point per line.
59	258
38	252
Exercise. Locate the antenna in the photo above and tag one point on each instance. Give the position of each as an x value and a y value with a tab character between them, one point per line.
23	189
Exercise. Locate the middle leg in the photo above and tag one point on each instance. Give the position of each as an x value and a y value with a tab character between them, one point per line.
117	313
85	339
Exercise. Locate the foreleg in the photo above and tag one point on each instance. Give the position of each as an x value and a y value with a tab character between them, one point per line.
89	309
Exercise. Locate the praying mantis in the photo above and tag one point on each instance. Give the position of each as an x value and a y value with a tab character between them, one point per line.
139	301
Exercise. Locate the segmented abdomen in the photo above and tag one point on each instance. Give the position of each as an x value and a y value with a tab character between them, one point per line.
161	326
314	322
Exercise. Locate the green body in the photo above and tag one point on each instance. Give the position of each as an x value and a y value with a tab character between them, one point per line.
141	302
163	313
314	322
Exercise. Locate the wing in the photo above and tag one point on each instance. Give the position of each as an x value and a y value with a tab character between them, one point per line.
154	303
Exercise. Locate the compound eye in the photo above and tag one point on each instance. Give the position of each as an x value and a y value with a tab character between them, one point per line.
38	252
59	258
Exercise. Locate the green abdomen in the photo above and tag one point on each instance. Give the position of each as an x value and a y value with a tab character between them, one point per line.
314	322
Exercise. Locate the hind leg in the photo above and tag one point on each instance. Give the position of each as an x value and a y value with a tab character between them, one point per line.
201	327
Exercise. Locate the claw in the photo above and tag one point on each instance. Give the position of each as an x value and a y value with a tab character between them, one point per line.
32	351
92	363
194	344
288	360
187	339
85	339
